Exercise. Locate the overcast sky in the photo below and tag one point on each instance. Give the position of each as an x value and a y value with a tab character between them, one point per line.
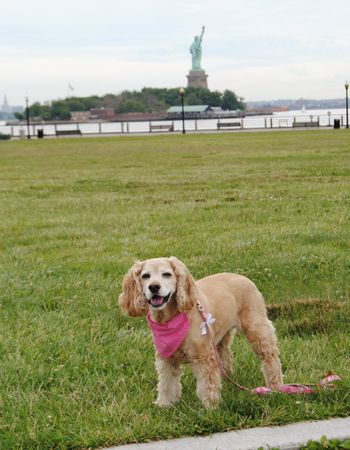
260	49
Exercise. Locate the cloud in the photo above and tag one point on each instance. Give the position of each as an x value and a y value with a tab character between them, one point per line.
317	79
89	75
261	50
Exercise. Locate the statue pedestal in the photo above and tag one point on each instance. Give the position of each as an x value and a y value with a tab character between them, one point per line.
197	79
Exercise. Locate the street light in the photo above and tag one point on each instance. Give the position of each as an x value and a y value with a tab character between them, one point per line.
329	118
27	115
347	104
182	93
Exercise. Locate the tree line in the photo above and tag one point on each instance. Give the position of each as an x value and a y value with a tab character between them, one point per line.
146	100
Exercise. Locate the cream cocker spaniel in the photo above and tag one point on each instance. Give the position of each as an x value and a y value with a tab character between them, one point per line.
164	290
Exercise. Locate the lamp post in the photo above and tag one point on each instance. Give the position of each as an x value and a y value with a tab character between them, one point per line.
27	115
182	93
329	118
347	104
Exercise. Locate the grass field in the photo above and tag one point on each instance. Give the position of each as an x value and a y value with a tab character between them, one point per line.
75	213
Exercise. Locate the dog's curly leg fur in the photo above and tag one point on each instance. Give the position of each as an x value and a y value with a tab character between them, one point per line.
225	351
264	342
169	385
208	378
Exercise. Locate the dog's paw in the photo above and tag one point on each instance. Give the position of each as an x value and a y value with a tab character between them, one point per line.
164	403
211	401
210	404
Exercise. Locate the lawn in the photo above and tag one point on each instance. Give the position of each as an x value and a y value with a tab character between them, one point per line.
76	213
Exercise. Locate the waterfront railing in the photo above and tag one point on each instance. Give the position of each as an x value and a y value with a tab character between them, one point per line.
191	125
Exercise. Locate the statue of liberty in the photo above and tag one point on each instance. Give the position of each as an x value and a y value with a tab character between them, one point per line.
196	51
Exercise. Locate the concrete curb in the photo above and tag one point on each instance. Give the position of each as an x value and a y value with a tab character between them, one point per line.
287	437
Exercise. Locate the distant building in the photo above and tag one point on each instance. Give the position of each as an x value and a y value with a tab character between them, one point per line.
7	111
190	111
217	109
80	116
5	106
130	117
102	113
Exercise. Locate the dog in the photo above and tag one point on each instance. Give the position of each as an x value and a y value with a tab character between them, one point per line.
165	292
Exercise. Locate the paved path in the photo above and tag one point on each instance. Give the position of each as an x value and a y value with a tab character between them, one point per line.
287	437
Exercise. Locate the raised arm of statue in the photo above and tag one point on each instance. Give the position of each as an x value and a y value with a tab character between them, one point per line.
201	37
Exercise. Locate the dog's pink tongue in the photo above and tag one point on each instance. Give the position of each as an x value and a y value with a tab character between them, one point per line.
156	300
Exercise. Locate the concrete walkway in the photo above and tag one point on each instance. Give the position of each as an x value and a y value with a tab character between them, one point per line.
287	437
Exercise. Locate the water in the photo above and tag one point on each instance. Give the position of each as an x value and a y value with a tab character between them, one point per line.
314	112
277	120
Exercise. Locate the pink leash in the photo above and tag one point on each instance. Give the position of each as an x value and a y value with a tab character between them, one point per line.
326	382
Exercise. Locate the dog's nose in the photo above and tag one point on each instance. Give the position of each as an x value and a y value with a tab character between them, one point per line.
154	288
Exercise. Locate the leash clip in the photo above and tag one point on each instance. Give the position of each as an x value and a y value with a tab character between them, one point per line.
208	319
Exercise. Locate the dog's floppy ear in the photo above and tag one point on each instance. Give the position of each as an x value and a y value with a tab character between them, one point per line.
132	300
186	291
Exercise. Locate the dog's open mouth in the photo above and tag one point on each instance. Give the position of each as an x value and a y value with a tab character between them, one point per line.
156	301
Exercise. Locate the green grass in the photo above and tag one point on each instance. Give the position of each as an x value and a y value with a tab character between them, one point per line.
75	213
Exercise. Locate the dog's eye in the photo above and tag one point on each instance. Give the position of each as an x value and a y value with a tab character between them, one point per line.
145	276
167	274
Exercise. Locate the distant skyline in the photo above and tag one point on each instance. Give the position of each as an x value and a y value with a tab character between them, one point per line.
259	49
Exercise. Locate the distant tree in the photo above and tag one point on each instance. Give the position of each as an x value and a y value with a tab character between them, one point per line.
131	106
230	101
19	116
172	97
46	115
146	100
193	99
152	103
35	110
60	110
111	101
91	102
212	98
75	104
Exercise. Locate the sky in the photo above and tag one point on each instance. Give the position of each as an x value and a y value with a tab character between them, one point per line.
260	49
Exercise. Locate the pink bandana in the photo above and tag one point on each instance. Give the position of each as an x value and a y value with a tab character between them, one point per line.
168	336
